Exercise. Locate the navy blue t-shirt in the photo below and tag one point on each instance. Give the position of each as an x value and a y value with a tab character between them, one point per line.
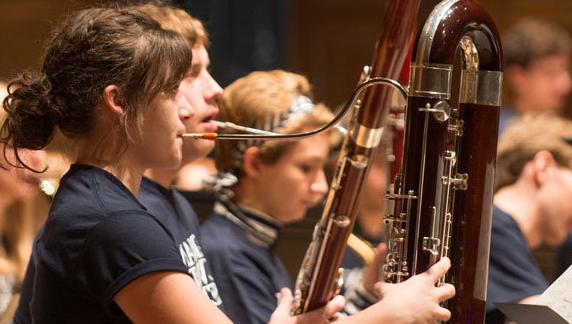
175	213
97	239
248	274
351	259
513	274
507	116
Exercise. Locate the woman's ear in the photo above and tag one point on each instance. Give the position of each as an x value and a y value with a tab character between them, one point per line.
542	164
112	100
251	162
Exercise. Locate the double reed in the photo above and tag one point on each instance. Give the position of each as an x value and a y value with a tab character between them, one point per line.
443	198
318	277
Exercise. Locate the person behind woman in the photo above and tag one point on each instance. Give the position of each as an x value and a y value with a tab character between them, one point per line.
263	185
18	223
110	83
201	92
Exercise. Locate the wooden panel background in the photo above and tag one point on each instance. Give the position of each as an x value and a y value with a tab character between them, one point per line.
332	40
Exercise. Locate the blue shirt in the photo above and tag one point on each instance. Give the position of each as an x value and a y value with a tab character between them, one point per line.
507	116
175	213
247	271
513	274
97	239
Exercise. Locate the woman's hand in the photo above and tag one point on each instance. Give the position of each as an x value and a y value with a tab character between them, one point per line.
417	300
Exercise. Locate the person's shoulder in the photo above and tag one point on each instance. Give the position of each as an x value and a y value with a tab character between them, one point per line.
86	197
184	206
69	243
217	226
219	233
506	236
166	202
221	238
128	223
503	222
88	190
154	197
508	245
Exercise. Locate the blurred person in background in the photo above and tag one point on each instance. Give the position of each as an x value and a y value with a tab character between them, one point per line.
532	206
19	220
537	75
536	68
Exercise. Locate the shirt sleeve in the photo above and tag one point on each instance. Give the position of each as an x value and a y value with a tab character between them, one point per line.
513	275
123	248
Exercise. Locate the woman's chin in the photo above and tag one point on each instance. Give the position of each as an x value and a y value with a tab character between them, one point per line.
294	218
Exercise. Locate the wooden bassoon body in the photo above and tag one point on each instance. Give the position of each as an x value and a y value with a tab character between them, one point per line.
318	277
443	201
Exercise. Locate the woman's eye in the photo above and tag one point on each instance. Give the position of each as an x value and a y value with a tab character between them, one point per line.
171	93
306	168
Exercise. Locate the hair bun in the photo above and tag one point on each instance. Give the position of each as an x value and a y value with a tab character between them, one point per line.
28	122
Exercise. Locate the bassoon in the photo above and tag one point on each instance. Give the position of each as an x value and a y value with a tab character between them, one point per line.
318	277
443	199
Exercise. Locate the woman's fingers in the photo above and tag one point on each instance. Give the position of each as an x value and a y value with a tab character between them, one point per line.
444	292
439	269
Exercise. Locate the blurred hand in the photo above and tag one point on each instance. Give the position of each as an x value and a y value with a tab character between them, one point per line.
325	314
372	271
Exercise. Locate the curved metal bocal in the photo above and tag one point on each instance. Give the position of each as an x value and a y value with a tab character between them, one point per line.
263	135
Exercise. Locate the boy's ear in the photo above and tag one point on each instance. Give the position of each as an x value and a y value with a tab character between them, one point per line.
112	100
251	162
542	163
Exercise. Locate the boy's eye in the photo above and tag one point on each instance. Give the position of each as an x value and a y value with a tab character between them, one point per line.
169	93
172	92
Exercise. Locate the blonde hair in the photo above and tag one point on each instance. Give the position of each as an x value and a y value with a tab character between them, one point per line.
527	136
262	100
179	21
